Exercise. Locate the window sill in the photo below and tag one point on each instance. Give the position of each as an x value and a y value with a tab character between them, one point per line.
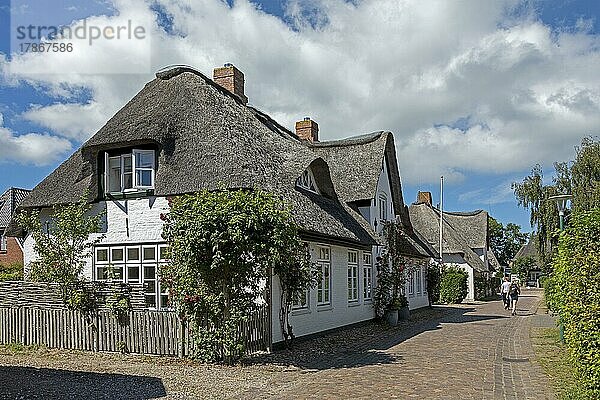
300	311
354	303
129	194
324	307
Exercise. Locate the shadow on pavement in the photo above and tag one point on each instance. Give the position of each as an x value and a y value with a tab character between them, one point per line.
368	343
44	383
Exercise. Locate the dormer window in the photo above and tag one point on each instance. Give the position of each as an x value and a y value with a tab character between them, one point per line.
307	181
129	171
383	207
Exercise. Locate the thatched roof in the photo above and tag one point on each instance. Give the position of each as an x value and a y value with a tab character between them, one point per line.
9	201
356	164
493	261
472	225
207	139
529	249
426	221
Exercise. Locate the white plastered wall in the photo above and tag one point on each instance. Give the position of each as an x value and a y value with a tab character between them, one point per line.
125	222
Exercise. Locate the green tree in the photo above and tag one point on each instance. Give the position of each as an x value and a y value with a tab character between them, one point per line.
223	247
580	177
533	194
505	241
521	267
63	246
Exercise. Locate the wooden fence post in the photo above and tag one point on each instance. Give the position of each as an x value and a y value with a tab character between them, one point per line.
181	344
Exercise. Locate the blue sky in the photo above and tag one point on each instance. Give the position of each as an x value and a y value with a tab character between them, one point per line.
478	92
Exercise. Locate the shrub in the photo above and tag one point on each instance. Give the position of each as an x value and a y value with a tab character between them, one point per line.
574	291
453	285
433	283
223	247
11	272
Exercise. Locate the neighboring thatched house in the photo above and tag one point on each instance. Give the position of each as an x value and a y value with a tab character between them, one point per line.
465	238
184	132
365	173
11	248
530	250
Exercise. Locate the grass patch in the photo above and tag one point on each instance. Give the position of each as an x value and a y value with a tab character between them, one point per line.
557	364
21	348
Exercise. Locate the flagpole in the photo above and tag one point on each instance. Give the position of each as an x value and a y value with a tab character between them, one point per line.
441	217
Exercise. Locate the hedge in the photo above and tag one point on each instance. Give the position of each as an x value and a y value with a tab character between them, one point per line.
453	285
573	290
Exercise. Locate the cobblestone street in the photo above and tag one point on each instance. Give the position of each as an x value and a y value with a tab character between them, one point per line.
471	351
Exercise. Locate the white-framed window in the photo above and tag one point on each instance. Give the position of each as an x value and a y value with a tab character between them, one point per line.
411	284
304	300
324	285
418	279
352	276
129	171
307	181
383	206
367	276
424	279
134	263
3	242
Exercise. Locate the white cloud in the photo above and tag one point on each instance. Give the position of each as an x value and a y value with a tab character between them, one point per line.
529	93
66	118
31	148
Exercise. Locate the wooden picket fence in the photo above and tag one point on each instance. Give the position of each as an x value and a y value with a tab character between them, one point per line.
142	332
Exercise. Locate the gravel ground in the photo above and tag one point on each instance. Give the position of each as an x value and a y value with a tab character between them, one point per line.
61	374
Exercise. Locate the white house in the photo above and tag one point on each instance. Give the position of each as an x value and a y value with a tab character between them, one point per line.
184	132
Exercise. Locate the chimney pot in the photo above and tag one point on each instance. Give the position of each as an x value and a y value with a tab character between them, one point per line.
232	79
307	129
424	197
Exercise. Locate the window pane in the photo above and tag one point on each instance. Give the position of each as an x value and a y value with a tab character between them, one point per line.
133	253
164	301
101	273
150	287
143	177
133	274
101	255
163	252
127	181
151	301
117	254
144	159
115	272
149	253
127	167
149	272
114	174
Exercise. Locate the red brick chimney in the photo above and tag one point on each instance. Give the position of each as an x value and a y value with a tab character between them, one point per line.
424	198
232	79
307	129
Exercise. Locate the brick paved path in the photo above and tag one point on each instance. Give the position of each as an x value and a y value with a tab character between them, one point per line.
474	351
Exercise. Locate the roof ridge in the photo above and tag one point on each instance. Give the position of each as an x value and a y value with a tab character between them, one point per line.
352	140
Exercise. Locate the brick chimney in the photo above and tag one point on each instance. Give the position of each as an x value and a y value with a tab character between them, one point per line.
232	79
307	129
424	198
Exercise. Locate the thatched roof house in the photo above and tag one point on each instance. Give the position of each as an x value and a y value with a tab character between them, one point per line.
208	138
426	219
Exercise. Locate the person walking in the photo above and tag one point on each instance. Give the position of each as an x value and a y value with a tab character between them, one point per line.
513	293
504	292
